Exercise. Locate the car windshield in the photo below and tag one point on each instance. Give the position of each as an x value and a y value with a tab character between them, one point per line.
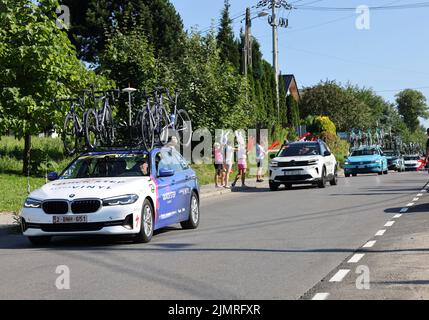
364	152
391	154
411	158
299	149
108	165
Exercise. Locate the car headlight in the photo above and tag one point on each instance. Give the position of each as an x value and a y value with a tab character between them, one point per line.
120	200
32	203
376	161
346	162
274	164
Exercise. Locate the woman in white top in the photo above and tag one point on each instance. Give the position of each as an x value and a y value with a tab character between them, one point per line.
260	156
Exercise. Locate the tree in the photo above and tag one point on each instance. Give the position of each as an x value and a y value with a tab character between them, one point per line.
38	64
92	20
292	111
229	48
339	104
411	106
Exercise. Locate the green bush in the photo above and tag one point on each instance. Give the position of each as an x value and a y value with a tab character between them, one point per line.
339	147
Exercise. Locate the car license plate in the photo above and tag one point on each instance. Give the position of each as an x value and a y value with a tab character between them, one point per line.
294	173
69	219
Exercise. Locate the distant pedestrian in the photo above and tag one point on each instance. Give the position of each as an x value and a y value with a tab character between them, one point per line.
242	165
260	156
218	164
228	161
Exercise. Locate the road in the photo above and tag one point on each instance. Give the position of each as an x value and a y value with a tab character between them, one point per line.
254	244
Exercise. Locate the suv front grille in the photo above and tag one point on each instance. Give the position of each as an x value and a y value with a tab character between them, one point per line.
289	164
85	206
55	207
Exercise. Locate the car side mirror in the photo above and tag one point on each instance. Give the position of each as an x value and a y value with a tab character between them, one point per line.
326	153
272	156
164	172
52	176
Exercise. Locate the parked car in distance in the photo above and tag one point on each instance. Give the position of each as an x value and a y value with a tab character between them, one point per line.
303	162
395	161
366	159
412	162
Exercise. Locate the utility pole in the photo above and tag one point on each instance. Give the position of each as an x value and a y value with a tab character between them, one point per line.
275	55
247	46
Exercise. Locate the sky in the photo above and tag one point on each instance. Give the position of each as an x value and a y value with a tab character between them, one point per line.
393	54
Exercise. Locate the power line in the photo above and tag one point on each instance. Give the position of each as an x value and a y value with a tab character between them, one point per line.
396	7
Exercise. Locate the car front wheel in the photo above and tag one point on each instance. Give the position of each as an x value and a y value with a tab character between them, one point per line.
334	180
273	186
146	226
322	182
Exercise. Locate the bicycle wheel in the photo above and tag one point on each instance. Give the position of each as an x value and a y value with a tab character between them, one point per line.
69	134
91	129
184	127
146	130
107	129
163	126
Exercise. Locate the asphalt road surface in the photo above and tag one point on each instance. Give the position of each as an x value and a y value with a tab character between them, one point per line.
255	244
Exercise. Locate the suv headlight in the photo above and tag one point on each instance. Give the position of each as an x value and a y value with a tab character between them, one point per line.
376	161
120	200
32	203
274	163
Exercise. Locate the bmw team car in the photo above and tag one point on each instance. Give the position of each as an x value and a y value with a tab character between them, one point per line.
395	161
306	162
366	160
114	193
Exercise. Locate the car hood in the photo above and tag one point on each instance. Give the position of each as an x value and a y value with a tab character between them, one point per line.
91	188
300	158
364	158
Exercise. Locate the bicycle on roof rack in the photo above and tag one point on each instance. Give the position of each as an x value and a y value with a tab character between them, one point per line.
156	122
98	122
73	134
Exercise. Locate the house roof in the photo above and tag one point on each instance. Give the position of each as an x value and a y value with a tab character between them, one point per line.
291	86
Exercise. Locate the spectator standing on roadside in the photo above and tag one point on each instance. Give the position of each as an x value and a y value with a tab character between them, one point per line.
228	160
242	165
218	164
260	156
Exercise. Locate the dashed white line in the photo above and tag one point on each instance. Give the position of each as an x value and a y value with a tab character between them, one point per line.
410	204
356	258
369	244
415	199
424	190
397	216
321	296
420	195
403	210
389	223
380	232
339	276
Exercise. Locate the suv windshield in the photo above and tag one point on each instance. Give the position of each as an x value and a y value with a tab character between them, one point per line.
391	154
300	149
364	152
108	165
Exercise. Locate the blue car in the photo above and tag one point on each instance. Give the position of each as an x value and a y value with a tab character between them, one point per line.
366	160
120	192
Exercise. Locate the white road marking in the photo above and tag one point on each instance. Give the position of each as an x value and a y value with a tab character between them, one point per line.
403	210
369	244
397	216
339	276
380	232
415	199
320	296
389	223
410	204
356	258
423	190
420	195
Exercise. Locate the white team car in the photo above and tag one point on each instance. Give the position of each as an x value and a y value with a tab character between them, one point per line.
412	162
114	193
306	162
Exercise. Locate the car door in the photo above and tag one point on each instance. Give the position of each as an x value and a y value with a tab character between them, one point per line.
169	199
187	185
327	159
